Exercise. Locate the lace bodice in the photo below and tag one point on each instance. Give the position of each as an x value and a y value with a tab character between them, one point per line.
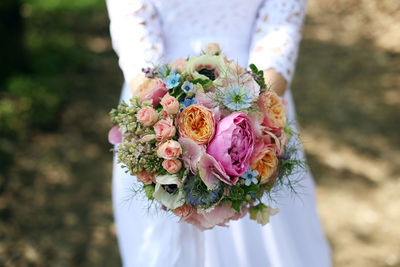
266	33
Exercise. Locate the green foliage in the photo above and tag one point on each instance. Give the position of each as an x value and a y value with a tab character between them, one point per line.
149	190
177	92
206	83
259	76
239	194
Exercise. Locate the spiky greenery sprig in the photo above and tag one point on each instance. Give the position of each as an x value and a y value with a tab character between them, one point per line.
258	76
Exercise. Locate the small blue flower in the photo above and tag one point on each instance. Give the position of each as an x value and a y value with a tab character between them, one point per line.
172	80
188	102
250	177
187	87
237	98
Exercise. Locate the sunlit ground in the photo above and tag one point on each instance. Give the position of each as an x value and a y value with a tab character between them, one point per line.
55	193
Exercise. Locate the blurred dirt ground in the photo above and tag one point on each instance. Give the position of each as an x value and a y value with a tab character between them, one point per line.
55	190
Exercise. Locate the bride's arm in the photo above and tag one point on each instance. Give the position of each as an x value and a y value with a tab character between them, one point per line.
276	38
136	35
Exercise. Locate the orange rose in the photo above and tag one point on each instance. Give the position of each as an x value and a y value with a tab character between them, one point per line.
274	111
197	123
265	161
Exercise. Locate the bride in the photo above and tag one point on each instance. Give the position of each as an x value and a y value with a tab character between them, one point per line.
263	32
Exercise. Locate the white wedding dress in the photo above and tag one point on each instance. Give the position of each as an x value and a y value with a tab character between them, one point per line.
266	33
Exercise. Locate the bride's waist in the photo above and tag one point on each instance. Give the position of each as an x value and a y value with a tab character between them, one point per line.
181	46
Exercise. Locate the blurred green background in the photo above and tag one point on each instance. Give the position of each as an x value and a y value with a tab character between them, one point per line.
59	78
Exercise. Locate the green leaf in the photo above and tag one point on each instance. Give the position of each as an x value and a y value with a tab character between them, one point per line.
253	68
204	82
236	205
253	188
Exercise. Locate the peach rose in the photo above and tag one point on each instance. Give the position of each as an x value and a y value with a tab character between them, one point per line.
197	123
179	65
212	49
265	161
147	116
146	177
170	104
169	150
164	129
148	89
183	211
274	111
172	165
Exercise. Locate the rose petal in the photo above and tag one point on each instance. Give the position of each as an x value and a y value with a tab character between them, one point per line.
211	171
192	152
114	135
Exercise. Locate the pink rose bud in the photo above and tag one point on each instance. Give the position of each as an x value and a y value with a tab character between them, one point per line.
147	116
172	165
169	150
212	49
164	129
148	137
170	104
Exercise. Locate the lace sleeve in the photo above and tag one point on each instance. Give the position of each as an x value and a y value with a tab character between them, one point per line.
136	35
277	33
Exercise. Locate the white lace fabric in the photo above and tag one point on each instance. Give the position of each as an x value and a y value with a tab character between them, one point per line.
277	36
136	35
267	32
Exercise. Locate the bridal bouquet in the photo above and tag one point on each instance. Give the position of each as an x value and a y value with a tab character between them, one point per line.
206	138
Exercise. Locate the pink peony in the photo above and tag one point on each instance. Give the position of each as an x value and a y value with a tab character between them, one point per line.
114	135
164	129
147	116
169	150
233	145
172	165
170	104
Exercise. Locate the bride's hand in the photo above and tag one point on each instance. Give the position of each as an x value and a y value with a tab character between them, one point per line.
275	80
